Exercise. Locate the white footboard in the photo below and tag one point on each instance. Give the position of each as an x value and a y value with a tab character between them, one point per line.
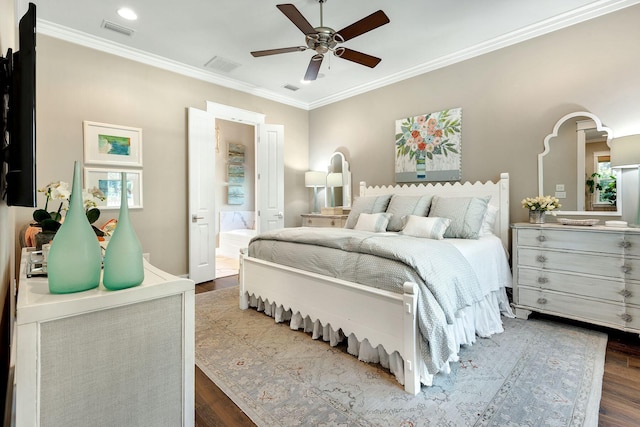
383	318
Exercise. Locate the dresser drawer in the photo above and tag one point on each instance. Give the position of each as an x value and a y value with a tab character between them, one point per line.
612	314
587	263
318	221
599	242
632	244
613	290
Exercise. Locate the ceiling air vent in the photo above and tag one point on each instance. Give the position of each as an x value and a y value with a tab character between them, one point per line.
224	65
117	28
291	87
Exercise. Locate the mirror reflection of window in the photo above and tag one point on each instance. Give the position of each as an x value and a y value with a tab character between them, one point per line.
604	194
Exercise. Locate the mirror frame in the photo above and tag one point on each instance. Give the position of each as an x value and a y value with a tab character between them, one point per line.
346	181
554	134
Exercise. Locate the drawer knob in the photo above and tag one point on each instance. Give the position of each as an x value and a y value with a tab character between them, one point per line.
542	300
543	280
626	317
333	222
624	244
625	293
541	238
541	258
625	269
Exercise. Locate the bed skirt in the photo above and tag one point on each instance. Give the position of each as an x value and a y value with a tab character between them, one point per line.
482	319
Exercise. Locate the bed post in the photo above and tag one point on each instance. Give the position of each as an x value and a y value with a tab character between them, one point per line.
503	189
244	298
411	356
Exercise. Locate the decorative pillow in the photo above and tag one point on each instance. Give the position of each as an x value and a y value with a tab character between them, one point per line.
489	220
423	226
373	222
366	204
403	206
466	215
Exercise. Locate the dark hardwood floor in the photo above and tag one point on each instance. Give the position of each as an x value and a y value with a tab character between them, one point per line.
619	405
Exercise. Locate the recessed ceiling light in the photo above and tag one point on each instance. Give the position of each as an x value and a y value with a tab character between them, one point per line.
127	14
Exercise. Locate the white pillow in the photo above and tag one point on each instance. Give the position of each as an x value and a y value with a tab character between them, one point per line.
376	222
426	226
489	220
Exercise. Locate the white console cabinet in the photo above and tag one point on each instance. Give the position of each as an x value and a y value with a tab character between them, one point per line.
586	273
105	358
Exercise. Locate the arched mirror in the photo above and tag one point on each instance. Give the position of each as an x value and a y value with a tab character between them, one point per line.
338	182
575	166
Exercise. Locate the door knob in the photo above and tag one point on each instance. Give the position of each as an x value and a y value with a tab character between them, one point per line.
280	215
195	218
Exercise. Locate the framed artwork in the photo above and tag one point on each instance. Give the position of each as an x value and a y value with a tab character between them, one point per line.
428	147
236	153
112	145
235	195
235	173
108	181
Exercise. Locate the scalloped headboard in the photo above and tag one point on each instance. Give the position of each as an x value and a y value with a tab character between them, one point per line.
499	192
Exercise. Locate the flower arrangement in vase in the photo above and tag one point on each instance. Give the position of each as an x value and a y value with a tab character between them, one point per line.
539	206
49	222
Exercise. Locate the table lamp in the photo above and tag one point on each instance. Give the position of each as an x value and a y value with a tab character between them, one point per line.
315	179
625	153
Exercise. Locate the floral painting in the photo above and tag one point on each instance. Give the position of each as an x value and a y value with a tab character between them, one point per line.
428	147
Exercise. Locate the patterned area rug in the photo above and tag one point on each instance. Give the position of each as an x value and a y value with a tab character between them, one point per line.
536	373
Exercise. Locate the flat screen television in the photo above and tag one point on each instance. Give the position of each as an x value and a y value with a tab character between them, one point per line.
19	116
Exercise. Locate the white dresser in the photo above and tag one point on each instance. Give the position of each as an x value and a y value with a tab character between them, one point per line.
103	357
589	273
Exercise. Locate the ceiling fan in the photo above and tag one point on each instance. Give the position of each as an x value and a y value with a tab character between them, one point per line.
324	39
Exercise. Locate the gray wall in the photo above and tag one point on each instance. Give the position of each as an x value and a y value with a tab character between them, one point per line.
77	83
510	101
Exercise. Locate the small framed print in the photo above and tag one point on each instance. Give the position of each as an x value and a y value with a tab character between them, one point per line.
112	145
108	181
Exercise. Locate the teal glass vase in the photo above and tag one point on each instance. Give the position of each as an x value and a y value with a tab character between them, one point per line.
123	265
75	257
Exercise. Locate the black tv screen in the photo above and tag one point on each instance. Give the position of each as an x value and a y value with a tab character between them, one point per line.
21	187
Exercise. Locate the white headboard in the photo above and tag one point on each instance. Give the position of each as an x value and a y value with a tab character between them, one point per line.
499	192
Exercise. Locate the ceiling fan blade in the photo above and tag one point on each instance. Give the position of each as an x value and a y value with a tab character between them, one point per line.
277	51
364	25
358	57
314	67
296	17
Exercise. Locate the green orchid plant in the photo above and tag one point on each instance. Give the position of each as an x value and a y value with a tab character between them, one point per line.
59	190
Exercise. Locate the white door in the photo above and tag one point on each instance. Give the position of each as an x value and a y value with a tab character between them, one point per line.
201	176
270	177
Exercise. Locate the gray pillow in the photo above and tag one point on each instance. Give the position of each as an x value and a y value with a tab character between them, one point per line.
367	204
466	215
403	206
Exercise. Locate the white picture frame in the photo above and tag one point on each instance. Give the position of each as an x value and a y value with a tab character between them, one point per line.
112	145
107	180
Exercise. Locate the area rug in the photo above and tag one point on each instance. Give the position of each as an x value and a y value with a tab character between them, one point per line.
536	373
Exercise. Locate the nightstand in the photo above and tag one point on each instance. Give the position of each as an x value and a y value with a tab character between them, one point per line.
320	220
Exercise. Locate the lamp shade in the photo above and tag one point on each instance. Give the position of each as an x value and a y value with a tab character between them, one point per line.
334	179
625	151
315	179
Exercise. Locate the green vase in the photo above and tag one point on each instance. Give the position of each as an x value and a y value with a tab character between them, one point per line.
75	257
123	266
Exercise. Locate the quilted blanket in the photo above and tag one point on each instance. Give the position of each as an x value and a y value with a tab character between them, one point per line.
444	277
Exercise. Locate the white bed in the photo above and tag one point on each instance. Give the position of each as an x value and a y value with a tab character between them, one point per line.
382	326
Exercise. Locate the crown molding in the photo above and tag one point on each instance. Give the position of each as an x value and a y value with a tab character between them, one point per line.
585	13
590	11
51	29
